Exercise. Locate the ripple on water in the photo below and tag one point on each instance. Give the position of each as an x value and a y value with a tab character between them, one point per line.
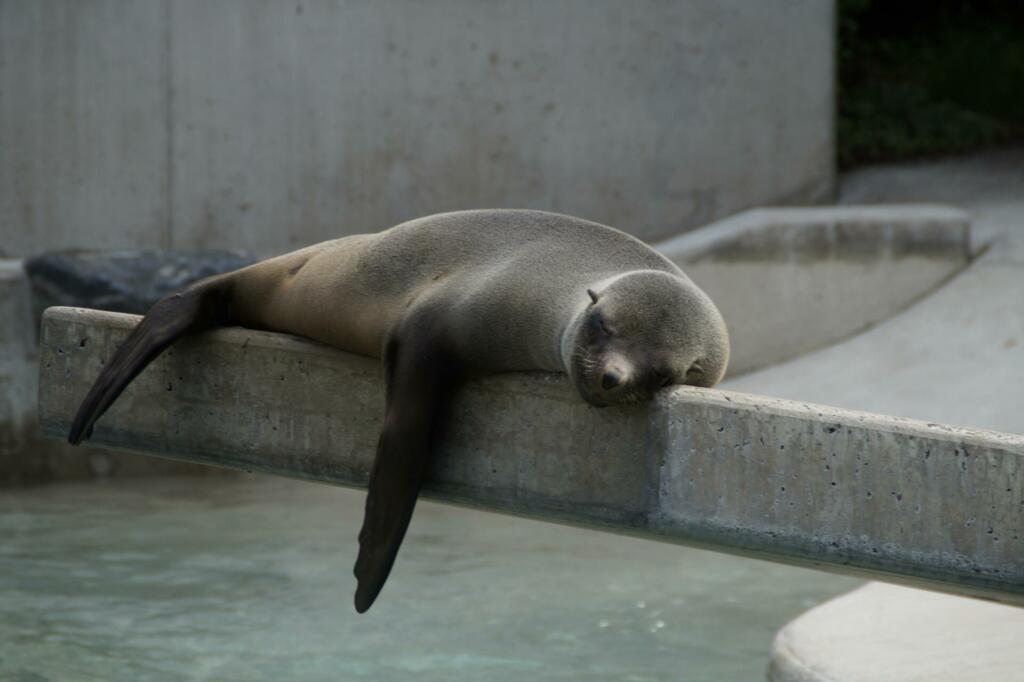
250	578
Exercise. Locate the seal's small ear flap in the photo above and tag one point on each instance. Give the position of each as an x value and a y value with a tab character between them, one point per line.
593	295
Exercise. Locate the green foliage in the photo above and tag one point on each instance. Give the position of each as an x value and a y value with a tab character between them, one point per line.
923	78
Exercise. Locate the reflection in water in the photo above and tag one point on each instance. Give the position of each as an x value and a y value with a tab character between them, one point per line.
250	579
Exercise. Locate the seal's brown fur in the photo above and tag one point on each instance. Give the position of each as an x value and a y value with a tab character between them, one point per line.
447	296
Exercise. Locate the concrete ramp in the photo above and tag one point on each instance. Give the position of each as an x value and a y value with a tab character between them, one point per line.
868	495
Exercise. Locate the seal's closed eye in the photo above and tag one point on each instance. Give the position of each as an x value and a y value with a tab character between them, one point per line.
598	326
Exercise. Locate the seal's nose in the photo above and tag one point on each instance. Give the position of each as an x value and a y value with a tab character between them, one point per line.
610	380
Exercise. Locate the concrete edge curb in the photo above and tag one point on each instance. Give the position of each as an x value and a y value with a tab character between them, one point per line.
907	229
790	281
868	495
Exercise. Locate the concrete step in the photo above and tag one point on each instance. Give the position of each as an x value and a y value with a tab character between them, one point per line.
867	495
882	633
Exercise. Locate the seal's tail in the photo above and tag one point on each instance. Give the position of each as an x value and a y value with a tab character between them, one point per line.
195	308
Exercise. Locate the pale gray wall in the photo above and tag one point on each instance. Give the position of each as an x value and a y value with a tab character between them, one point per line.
266	125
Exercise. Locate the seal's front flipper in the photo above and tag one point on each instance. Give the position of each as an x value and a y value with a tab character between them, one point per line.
195	308
419	381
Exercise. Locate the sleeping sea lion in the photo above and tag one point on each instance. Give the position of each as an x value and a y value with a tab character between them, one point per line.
446	297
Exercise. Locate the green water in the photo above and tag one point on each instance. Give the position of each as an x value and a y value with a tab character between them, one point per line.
250	579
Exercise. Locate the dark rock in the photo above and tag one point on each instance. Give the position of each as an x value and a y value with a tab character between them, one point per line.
121	281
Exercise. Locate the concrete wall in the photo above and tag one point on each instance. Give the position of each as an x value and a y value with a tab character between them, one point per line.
18	370
266	125
791	281
865	494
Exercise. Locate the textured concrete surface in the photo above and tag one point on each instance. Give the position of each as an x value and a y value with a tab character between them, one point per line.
856	493
265	125
883	633
958	357
18	373
83	126
792	280
25	457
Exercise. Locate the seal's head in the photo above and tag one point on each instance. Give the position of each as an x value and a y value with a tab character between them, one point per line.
642	331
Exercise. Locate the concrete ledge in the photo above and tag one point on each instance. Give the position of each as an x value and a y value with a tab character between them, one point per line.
868	495
792	280
883	633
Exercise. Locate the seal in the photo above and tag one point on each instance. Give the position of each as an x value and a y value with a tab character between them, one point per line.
443	298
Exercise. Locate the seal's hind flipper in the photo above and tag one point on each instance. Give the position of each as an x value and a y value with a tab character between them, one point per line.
193	309
419	382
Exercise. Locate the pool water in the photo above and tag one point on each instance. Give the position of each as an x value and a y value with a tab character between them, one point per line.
249	578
